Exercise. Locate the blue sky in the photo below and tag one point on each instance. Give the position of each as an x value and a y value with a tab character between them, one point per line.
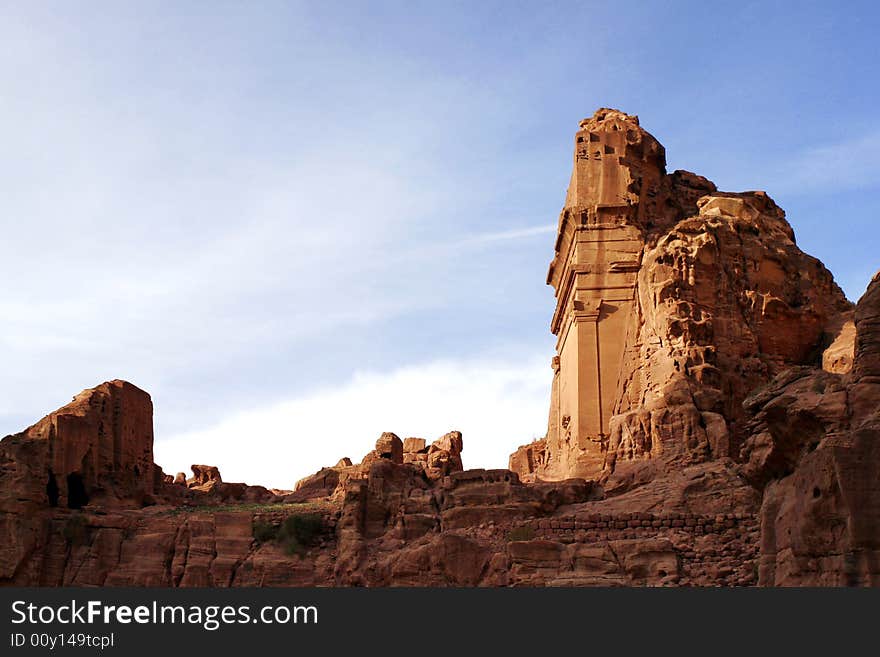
300	224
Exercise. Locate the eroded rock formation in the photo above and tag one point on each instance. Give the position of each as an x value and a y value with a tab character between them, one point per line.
432	462
99	447
204	475
674	302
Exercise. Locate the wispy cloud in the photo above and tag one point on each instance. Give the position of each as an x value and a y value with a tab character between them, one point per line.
497	404
507	235
846	165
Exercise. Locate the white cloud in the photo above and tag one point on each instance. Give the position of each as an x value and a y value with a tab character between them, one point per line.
496	404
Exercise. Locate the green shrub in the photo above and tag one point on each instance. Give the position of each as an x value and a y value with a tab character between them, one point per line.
265	531
295	534
299	531
524	533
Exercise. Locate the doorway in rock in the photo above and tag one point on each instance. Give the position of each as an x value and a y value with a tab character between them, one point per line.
77	497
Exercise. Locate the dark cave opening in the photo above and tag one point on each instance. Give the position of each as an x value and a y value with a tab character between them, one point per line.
77	497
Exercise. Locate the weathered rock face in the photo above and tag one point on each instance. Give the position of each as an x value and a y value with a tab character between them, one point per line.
815	445
866	366
838	357
163	546
674	302
396	527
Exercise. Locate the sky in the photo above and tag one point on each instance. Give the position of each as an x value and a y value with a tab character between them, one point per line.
298	225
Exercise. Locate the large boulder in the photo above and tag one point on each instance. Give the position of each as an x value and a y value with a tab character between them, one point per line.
204	474
444	456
